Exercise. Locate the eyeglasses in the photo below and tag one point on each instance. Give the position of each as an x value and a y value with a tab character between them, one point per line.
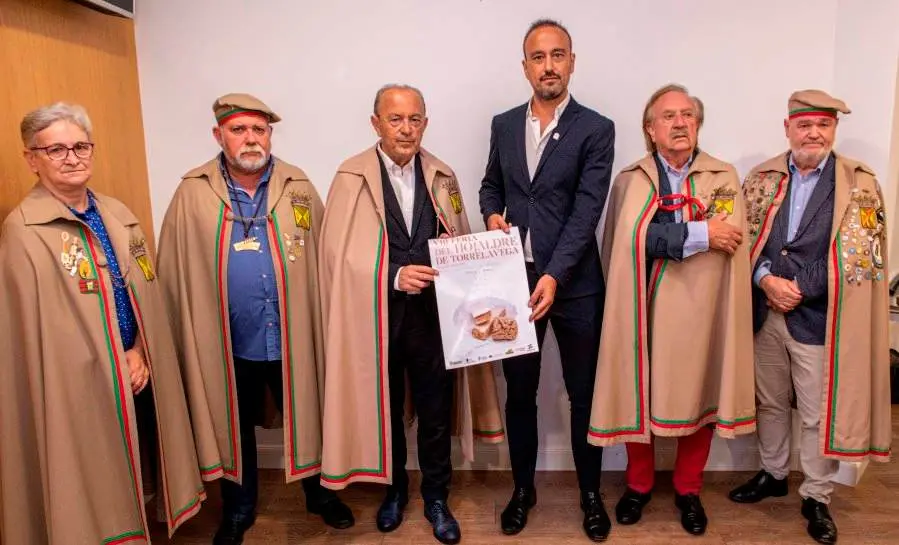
58	152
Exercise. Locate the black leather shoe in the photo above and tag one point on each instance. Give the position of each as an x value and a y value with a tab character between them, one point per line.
630	506
762	486
692	515
334	512
515	516
231	531
820	526
596	521
390	514
446	528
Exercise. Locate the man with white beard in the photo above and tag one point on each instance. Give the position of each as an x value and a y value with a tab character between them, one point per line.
818	249
237	259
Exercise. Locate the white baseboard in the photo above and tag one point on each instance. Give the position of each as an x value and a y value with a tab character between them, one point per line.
740	454
736	455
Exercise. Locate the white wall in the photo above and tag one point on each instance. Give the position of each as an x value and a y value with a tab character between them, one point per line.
318	64
865	63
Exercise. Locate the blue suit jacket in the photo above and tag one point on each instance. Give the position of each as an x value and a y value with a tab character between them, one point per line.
563	203
805	259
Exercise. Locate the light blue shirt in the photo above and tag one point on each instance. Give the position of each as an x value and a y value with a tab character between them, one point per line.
801	188
697	231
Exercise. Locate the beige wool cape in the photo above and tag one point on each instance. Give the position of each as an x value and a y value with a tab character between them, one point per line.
855	400
353	270
676	348
194	247
69	455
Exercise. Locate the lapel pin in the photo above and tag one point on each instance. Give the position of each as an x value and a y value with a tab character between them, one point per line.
555	136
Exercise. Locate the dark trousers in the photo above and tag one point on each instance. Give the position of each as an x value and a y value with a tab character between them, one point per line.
577	323
252	378
148	438
415	349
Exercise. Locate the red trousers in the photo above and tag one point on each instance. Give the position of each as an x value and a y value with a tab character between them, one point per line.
692	455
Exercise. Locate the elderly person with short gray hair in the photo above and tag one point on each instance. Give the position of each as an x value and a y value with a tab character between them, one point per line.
83	331
238	261
673	249
387	202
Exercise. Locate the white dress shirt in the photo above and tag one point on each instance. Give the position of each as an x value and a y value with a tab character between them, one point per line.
536	144
402	179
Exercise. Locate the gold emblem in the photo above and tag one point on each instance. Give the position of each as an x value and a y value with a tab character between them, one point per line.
452	187
138	249
84	270
723	200
302	214
868	217
869	210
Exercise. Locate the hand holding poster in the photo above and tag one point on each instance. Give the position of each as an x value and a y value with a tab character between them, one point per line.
482	297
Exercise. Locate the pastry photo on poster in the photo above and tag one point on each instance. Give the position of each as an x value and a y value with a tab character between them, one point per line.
482	298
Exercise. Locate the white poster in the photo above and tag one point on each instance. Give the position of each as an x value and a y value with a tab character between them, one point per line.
482	295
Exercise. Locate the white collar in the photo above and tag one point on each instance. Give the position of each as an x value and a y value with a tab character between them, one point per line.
559	109
391	165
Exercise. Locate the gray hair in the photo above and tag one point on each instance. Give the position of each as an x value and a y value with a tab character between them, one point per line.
399	87
41	118
647	111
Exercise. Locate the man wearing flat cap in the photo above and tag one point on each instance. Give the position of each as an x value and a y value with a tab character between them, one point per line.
818	249
237	258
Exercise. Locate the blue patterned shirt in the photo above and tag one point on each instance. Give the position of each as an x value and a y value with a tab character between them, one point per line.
124	312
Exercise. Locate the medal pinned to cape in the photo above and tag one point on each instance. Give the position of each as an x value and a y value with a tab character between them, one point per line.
302	215
452	188
861	238
722	201
138	249
295	244
73	258
75	262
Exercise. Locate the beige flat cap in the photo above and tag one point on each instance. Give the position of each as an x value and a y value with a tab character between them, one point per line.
232	104
815	102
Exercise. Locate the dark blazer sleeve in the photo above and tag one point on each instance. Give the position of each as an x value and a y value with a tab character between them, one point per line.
492	195
593	187
666	240
392	270
812	280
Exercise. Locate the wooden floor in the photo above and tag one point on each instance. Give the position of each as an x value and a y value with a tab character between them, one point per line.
866	514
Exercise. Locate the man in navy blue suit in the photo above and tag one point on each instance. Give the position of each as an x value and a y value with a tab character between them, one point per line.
548	174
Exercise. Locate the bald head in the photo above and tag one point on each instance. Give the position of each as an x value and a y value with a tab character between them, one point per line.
400	121
397	87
